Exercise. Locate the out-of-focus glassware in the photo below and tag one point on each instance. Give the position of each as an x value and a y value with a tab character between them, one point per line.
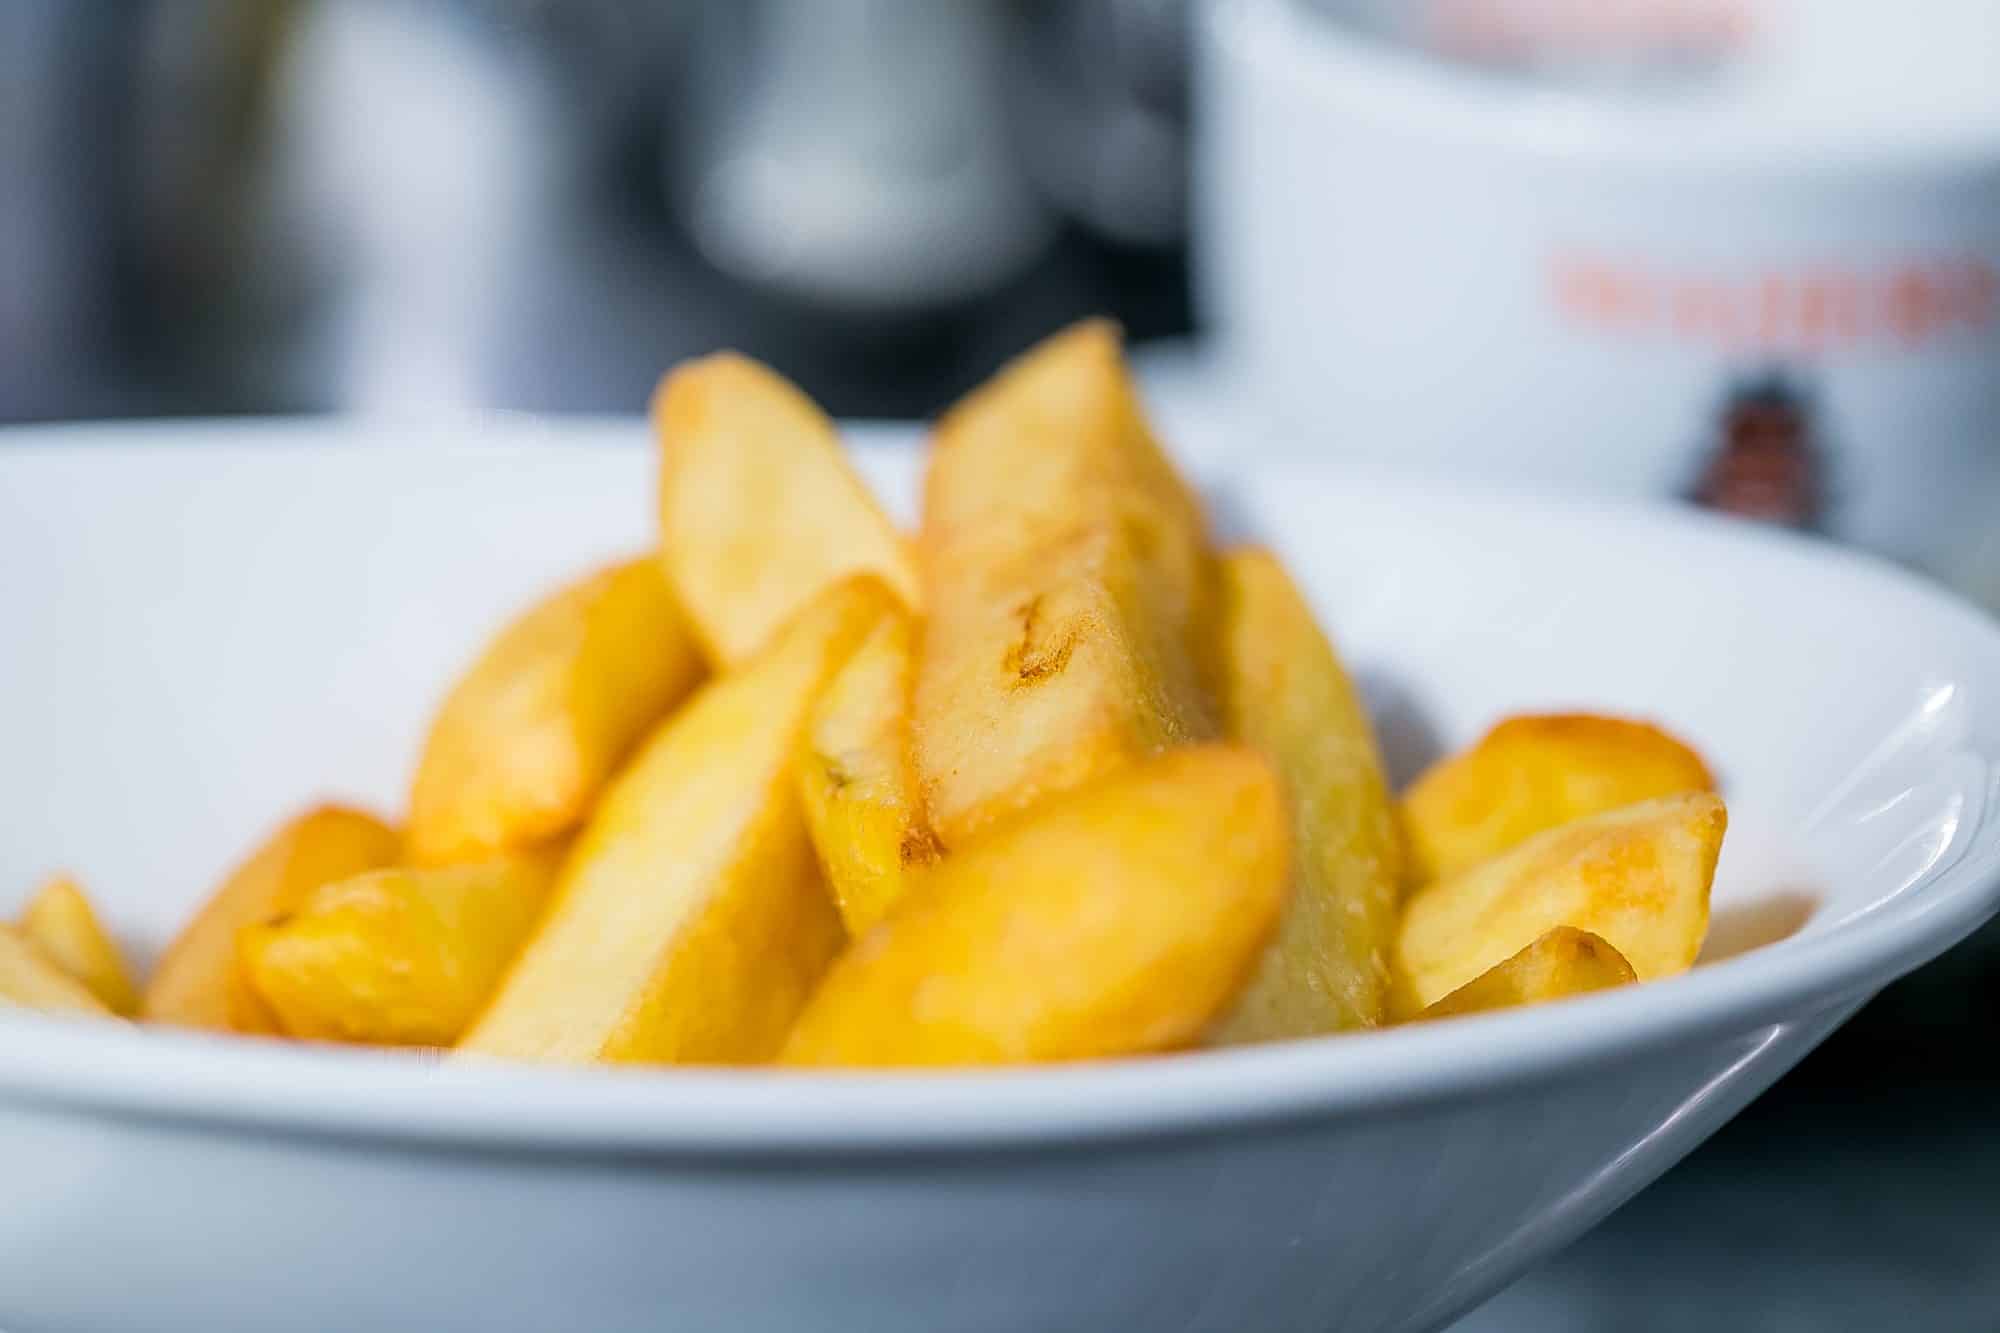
1098	91
853	153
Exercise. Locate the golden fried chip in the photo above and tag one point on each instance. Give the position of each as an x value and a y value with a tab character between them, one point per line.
759	510
197	983
1531	773
689	922
1639	877
60	921
400	957
1115	921
1286	694
857	781
1069	588
1563	962
31	980
529	736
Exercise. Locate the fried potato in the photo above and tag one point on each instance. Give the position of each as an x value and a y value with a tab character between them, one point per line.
1639	877
61	923
1069	589
400	957
1116	921
197	983
1563	962
30	979
759	510
528	737
856	780
1286	694
690	923
1532	773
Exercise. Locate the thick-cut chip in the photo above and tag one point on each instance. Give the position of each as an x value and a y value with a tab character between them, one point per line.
1532	773
1639	877
30	979
197	983
529	736
1285	693
403	957
690	922
60	922
1117	921
1069	589
860	790
759	510
1563	962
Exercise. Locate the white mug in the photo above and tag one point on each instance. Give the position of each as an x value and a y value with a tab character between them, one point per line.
1734	287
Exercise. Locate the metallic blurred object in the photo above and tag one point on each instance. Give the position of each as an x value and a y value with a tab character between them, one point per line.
853	154
1100	100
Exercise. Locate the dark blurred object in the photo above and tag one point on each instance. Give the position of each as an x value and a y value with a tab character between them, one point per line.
1766	465
1099	93
1808	1215
63	154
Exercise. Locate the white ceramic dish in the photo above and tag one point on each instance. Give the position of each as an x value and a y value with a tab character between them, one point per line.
205	625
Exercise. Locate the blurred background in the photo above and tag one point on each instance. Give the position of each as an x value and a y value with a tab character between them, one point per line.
1741	253
279	205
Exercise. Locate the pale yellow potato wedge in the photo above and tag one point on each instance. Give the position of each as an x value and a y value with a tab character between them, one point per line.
196	983
30	979
1532	773
759	510
1116	921
856	779
399	957
1639	877
60	922
531	733
1069	590
690	923
1286	694
1563	962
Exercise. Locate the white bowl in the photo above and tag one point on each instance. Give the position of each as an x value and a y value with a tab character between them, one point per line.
206	625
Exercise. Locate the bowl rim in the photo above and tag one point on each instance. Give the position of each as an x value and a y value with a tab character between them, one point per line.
202	1080
1372	80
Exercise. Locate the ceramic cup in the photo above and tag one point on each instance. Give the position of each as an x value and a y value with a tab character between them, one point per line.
1746	254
